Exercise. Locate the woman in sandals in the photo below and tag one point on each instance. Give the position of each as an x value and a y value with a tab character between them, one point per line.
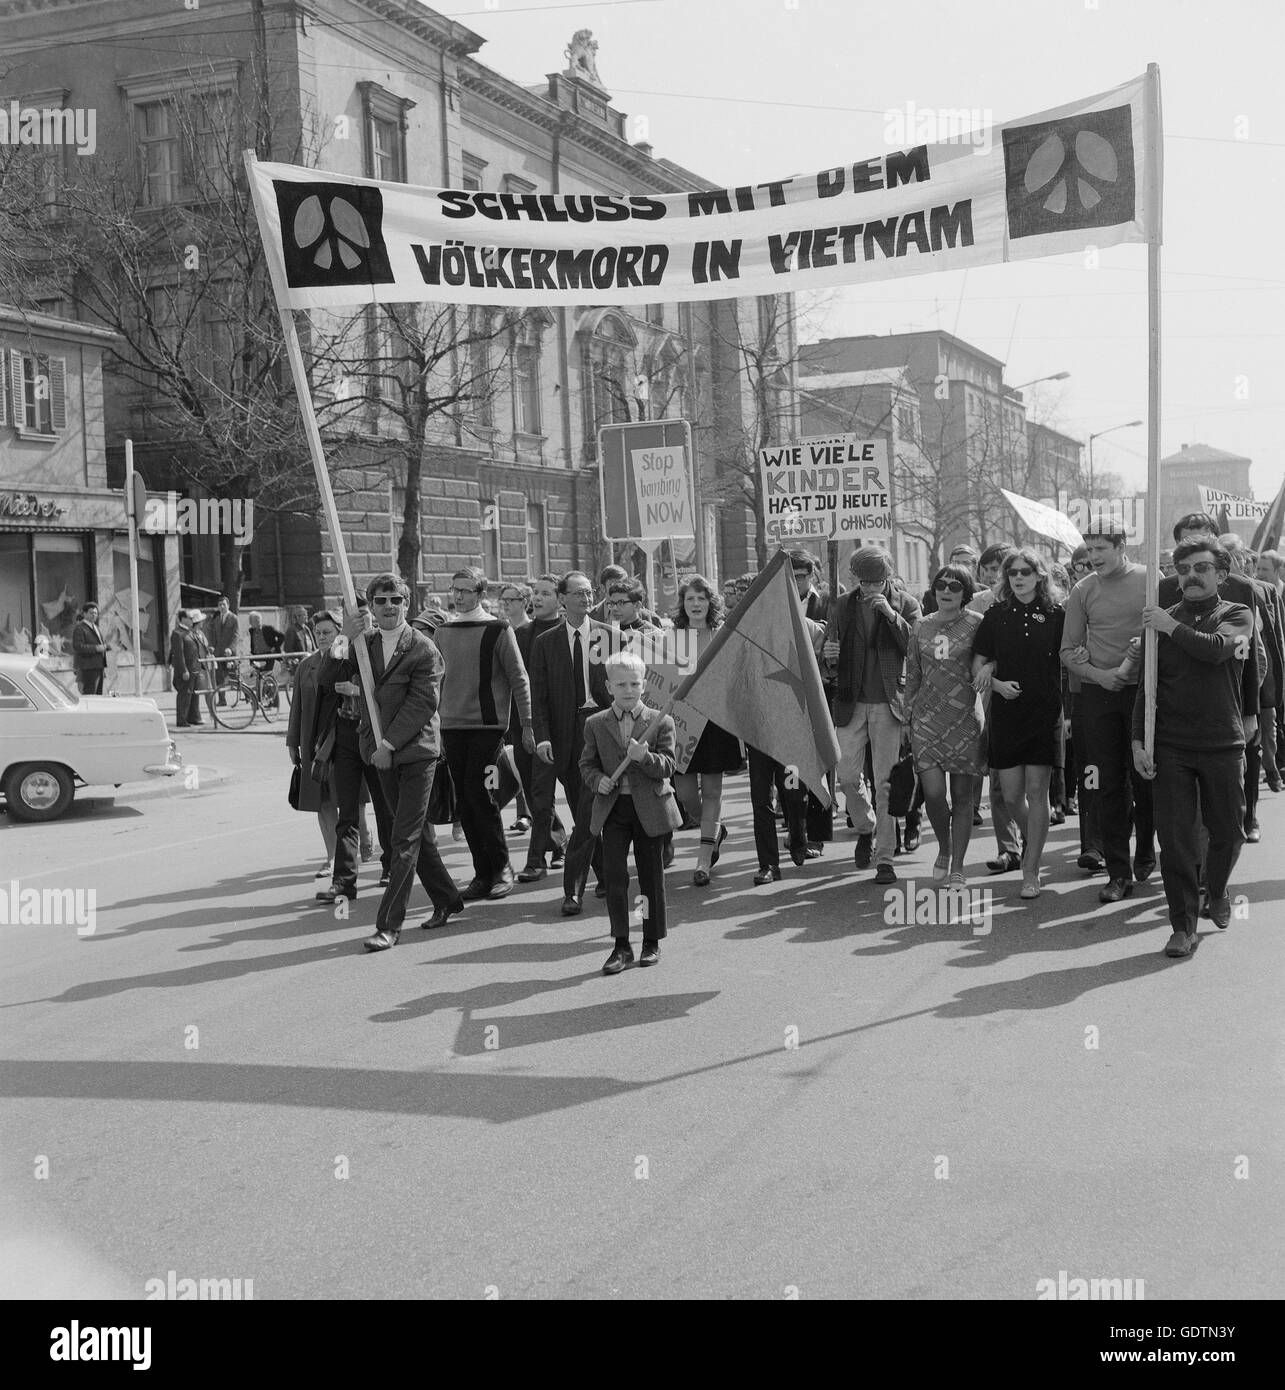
945	716
700	788
1015	657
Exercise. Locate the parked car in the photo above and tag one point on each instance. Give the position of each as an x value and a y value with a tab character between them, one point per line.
53	739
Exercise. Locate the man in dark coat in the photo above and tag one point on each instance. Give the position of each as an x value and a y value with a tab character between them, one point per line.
185	667
89	652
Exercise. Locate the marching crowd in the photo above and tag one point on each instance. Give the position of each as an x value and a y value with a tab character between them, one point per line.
1008	667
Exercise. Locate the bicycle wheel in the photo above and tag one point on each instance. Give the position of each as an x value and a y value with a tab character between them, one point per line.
268	698
238	709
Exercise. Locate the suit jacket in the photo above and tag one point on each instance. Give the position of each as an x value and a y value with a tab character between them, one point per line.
85	639
553	701
406	693
184	655
653	793
848	627
223	632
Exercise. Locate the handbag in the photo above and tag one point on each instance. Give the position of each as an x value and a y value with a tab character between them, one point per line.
296	777
441	796
508	784
903	782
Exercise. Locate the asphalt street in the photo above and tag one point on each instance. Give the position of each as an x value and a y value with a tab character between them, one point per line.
803	1099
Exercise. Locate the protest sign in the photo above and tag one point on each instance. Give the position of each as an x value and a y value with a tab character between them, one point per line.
832	487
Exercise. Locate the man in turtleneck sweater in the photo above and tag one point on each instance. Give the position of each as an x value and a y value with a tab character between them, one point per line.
1202	726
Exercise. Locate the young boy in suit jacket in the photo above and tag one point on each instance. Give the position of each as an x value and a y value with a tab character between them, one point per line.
640	808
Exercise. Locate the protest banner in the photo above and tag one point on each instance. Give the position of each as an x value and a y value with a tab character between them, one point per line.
1213	500
831	487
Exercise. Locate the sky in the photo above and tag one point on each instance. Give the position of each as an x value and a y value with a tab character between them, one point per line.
741	91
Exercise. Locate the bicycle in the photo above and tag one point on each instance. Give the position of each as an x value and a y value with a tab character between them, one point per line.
234	704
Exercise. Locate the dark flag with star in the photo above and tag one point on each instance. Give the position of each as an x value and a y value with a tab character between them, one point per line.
759	679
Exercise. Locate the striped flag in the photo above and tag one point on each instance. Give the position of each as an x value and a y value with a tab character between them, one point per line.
759	679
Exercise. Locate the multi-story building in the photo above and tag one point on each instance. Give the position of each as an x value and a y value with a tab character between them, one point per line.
881	403
63	536
972	428
1195	465
391	89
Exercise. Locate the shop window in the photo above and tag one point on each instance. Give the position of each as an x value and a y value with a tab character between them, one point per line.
62	587
117	617
15	594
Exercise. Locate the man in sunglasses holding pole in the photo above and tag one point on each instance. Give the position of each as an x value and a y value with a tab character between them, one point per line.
1203	722
407	671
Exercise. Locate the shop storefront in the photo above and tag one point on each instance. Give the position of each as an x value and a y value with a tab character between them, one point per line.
58	550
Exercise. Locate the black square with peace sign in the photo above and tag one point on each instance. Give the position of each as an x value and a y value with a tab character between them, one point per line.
1070	174
332	234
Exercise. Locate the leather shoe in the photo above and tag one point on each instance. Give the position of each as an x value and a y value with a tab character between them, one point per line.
442	915
885	873
1180	944
1252	835
571	907
766	876
701	878
865	848
474	890
1057	817
650	953
600	890
503	883
1116	889
619	958
1006	863
812	852
383	880
381	941
533	873
1143	869
557	858
1220	911
799	854
910	840
1092	863
718	844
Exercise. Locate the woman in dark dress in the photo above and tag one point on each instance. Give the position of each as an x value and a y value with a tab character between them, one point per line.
700	787
1015	657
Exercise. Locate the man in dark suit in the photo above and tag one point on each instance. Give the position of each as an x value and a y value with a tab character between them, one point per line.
89	652
539	780
185	667
407	671
567	686
223	632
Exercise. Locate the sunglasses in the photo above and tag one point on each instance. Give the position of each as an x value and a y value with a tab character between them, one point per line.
1199	567
1016	573
512	598
395	599
949	586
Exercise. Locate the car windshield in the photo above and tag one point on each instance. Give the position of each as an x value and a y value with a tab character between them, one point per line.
58	696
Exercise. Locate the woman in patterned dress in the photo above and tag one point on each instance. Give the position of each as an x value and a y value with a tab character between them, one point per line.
1016	656
945	716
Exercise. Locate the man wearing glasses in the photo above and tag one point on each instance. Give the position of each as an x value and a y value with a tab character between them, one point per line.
407	671
484	678
568	685
1203	644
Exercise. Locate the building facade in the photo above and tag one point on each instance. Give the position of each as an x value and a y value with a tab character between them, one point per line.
63	536
391	89
1193	466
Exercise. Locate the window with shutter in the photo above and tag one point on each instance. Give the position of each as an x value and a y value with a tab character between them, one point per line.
4	394
18	389
58	393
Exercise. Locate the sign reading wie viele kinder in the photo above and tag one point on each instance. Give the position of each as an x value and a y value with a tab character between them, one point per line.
830	488
1045	185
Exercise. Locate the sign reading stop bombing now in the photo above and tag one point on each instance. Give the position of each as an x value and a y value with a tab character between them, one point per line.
663	491
827	488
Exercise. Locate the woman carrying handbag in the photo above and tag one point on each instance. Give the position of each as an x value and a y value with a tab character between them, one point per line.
310	741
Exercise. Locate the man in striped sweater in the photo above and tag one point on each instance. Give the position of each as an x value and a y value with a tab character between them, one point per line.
484	676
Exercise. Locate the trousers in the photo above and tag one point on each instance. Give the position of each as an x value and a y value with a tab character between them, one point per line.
1124	801
414	844
878	727
1194	788
473	755
621	829
348	772
766	773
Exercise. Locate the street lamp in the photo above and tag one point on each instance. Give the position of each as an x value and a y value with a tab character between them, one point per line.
1128	425
1057	376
